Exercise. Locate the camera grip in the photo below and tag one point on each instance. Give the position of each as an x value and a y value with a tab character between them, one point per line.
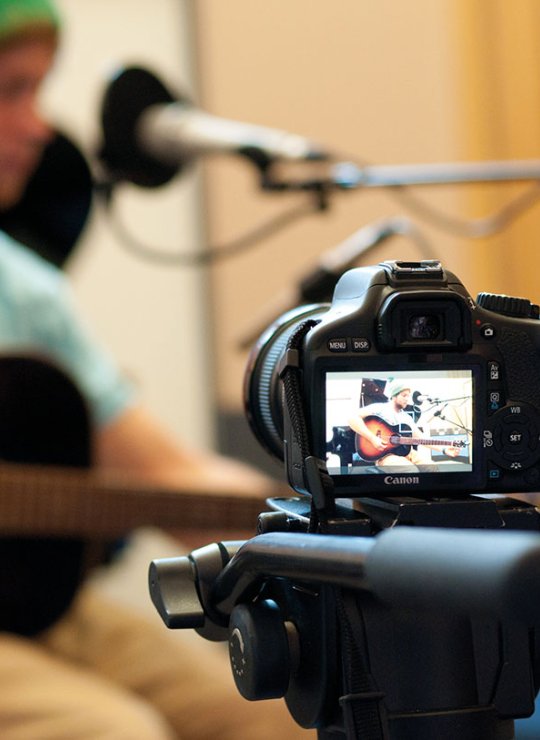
521	365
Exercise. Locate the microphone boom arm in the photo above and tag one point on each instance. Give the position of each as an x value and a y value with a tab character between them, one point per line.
349	175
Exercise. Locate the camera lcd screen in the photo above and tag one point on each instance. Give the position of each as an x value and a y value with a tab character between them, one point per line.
386	422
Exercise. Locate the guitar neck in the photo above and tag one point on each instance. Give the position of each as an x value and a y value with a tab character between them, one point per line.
39	501
416	441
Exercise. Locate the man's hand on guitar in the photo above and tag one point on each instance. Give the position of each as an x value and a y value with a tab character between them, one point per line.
378	442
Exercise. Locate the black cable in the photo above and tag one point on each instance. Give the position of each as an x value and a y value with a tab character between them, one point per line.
473	228
207	256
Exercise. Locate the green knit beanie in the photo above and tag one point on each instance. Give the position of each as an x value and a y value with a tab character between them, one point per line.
17	16
395	386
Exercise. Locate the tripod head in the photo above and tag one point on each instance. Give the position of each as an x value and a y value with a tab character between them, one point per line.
399	623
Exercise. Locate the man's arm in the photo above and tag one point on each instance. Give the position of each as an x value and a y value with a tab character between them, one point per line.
136	444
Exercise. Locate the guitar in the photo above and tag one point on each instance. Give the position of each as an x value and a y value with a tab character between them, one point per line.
398	438
58	516
49	501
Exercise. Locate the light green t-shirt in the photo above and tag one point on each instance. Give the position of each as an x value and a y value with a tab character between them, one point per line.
38	316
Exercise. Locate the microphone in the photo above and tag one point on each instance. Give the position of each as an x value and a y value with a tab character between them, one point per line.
149	134
176	132
420	398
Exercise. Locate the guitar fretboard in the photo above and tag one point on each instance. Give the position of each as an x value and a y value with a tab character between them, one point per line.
39	501
415	441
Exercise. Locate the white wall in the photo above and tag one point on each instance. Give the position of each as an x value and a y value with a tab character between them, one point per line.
151	316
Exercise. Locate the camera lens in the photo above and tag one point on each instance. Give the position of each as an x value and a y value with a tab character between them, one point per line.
424	326
262	387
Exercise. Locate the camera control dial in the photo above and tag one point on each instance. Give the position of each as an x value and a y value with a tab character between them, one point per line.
507	305
514	437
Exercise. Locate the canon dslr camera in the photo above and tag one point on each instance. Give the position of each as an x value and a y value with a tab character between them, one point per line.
407	385
392	602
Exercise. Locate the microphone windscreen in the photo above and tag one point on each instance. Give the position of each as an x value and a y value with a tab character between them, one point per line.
130	92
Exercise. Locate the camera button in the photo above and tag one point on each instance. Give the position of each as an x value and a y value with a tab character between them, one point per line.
515	434
520	420
509	453
516	437
487	331
515	415
360	344
494	370
338	345
495	401
514	456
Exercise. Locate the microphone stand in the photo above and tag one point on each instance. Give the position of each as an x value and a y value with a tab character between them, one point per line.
326	175
350	175
317	285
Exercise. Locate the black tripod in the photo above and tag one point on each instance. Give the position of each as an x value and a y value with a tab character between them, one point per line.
411	619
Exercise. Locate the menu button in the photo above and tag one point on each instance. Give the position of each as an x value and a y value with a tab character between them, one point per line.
338	345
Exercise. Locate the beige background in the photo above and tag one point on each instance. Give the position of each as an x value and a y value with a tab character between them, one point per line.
379	81
387	81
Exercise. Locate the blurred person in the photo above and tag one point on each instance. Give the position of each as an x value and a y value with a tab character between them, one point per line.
100	670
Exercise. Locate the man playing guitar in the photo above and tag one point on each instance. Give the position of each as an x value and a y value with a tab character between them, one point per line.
388	435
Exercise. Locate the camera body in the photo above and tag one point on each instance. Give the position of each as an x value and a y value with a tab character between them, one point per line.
447	389
406	395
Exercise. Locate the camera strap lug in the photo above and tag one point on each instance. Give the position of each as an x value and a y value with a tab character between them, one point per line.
307	474
321	487
296	436
290	359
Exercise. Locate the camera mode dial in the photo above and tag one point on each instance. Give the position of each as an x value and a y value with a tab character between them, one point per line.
507	305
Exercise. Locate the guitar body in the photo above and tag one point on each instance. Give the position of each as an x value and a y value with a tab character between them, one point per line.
58	517
43	420
390	433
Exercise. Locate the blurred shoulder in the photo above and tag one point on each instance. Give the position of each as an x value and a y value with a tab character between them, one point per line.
21	269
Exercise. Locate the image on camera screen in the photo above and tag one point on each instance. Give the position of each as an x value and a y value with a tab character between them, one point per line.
399	422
